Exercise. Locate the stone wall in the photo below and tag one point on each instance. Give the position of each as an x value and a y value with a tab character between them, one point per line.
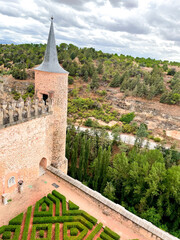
55	85
22	147
139	225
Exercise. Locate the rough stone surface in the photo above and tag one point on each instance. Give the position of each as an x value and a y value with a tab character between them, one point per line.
55	85
22	147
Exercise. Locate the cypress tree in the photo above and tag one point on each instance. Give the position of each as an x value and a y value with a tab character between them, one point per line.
81	160
97	163
105	164
87	153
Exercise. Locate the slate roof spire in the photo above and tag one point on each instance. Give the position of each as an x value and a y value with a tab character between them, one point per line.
50	63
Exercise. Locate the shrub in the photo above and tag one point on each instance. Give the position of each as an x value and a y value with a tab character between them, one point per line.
101	92
112	234
73	206
127	128
70	80
77	226
82	213
14	228
157	139
74	231
30	89
57	203
57	231
26	225
171	71
17	220
45	200
62	199
41	233
6	235
104	236
95	231
43	207
88	123
127	118
47	227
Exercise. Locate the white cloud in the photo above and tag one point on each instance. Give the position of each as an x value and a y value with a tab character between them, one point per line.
148	28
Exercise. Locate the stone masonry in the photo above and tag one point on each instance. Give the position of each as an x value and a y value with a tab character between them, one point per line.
33	133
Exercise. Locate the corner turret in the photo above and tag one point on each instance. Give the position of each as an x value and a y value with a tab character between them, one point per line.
51	82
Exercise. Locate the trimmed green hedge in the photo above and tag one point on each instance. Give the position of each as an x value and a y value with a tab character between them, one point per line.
73	206
13	228
104	236
2	229
6	235
41	233
112	234
81	213
39	203
62	199
62	219
47	227
26	226
57	203
74	231
95	231
57	231
17	220
77	225
43	207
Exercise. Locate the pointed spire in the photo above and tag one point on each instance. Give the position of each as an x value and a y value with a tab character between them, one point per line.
50	63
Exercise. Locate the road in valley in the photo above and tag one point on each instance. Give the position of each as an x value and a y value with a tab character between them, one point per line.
126	138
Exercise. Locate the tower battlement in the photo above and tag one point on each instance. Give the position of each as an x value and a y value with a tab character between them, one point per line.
14	112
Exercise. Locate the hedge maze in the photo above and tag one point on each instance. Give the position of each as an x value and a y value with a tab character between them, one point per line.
54	218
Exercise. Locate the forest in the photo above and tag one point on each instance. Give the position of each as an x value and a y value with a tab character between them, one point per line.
146	182
99	69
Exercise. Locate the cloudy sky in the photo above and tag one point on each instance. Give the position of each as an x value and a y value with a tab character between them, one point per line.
143	28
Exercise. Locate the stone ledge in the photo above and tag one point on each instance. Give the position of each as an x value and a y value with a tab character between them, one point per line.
116	207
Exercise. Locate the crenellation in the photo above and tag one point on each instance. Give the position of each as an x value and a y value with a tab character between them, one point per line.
14	112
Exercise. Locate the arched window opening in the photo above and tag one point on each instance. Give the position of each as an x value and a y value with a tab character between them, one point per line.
11	182
42	166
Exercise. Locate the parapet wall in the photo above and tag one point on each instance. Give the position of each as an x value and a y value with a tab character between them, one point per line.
13	112
139	225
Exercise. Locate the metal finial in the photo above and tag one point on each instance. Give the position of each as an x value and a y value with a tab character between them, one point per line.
52	18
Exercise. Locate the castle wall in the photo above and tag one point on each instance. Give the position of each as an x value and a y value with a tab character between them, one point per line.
22	147
55	85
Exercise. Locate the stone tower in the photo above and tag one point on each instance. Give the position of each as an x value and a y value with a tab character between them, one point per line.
51	84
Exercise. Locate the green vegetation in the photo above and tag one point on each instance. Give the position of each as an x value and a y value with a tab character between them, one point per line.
74	231
29	93
76	223
17	220
27	222
127	118
73	206
144	181
86	107
97	68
